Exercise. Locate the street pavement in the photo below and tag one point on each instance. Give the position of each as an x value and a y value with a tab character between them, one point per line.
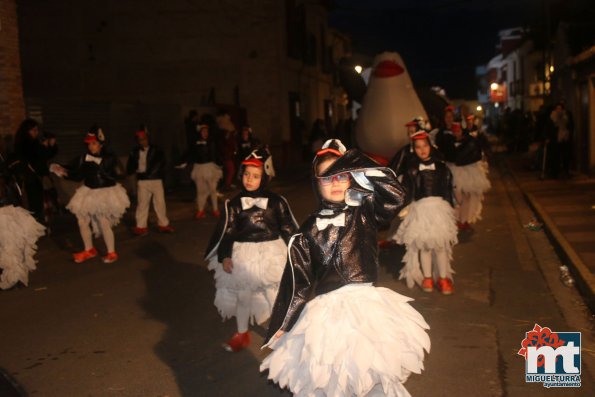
146	325
567	209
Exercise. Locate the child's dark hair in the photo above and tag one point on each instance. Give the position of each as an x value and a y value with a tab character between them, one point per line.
322	158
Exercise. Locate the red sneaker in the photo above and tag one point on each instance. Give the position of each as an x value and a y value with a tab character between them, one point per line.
217	214
166	229
427	284
80	257
238	342
110	257
200	214
445	286
140	231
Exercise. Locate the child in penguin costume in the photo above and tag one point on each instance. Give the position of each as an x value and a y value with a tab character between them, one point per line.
206	173
469	177
100	202
147	161
333	333
19	232
428	229
443	137
248	249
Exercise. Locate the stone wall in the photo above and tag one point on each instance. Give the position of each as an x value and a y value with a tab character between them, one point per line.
11	91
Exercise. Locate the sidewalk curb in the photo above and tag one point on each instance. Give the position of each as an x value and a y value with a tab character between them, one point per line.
585	281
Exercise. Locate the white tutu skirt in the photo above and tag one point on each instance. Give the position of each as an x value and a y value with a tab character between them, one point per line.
358	340
206	171
109	202
430	224
19	232
470	178
257	268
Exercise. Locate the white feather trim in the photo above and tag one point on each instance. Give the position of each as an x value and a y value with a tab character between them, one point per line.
110	202
257	267
18	243
351	342
429	224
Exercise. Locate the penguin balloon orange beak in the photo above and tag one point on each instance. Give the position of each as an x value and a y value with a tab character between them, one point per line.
388	69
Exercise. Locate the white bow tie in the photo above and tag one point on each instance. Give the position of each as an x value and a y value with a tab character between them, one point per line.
93	159
338	221
249	202
431	167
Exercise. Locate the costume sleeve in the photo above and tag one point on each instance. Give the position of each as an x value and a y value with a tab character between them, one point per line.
159	162
75	169
449	189
295	288
228	233
288	225
388	196
408	187
111	166
132	163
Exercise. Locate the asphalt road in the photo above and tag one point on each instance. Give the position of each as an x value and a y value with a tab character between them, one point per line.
146	325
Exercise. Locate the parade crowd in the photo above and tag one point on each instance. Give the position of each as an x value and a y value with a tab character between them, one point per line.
331	330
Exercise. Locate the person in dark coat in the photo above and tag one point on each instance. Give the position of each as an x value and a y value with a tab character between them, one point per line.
31	164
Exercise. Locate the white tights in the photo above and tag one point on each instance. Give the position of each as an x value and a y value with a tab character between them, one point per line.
463	210
243	310
425	257
87	234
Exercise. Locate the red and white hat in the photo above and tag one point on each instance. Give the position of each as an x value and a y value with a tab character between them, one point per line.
261	158
94	135
333	146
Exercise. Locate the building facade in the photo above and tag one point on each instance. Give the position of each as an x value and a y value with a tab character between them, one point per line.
124	63
12	108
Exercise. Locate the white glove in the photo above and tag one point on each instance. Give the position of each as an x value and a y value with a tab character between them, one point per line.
403	213
58	170
181	166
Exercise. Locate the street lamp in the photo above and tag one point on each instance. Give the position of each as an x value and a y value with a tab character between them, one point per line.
479	108
358	69
552	69
494	86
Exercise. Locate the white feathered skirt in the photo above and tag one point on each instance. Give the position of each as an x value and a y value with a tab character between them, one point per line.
257	268
470	178
358	340
109	202
430	224
19	232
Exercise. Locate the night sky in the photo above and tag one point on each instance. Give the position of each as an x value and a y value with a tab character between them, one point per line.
441	41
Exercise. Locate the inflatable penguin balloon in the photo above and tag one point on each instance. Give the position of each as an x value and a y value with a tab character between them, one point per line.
390	102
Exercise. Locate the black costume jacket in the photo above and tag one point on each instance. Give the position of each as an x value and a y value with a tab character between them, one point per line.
96	171
482	140
467	151
252	224
202	152
445	141
323	260
421	181
155	163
